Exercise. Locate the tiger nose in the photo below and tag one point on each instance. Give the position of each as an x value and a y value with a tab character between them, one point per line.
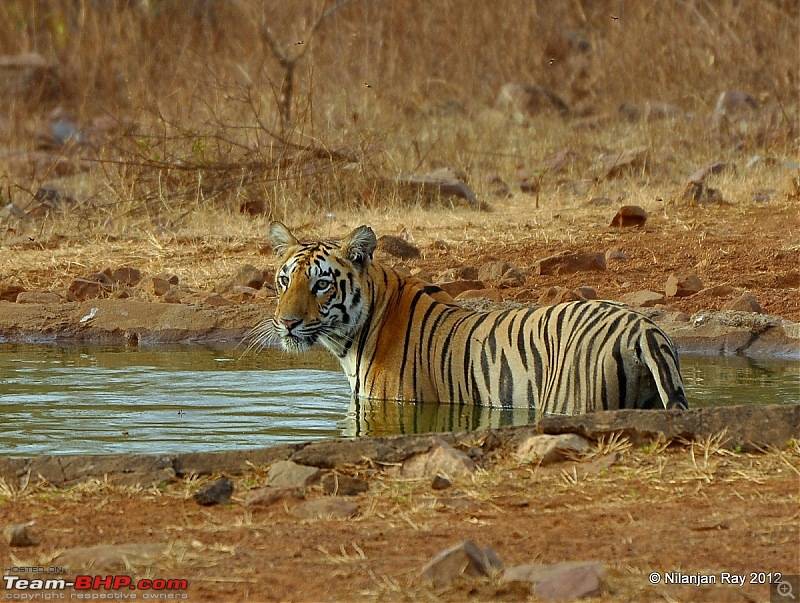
290	323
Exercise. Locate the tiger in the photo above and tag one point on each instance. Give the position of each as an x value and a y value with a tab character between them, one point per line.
399	338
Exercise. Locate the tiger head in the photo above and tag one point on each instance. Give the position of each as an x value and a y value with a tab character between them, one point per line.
320	288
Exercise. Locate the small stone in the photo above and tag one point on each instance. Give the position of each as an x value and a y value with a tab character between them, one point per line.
171	278
214	299
643	299
683	285
332	507
288	474
268	496
217	493
559	582
125	275
86	288
465	558
557	295
492	294
613	165
156	286
422	275
699	193
570	263
246	276
441	459
619	256
38	297
440	483
18	534
552	448
585	292
455	288
744	303
629	215
10	291
493	271
173	296
398	247
241	294
343	485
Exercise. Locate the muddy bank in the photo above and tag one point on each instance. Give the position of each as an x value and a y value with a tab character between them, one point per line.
134	322
739	428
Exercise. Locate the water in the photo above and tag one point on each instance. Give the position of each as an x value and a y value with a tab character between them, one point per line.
74	400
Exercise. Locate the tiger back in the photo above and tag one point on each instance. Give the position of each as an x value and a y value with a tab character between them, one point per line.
400	339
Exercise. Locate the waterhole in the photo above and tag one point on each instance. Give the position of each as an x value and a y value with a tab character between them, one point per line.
98	400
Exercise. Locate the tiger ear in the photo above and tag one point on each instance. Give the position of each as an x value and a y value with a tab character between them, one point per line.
281	238
359	245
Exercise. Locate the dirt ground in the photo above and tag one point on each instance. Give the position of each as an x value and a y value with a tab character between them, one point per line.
696	510
684	509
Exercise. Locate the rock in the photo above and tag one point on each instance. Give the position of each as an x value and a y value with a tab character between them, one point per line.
51	198
560	581
155	285
464	559
30	78
498	187
600	201
557	295
18	535
90	288
288	474
217	493
38	297
441	459
616	164
125	275
268	496
629	215
398	247
521	102
683	285
173	296
455	288
552	449
332	507
343	485
698	193
746	427
643	299
715	168
240	294
171	278
493	271
441	182
105	558
585	292
630	111
614	254
246	276
440	483
10	291
744	303
465	273
569	263
213	299
492	294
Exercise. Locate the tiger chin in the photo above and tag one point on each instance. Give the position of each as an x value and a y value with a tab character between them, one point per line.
398	338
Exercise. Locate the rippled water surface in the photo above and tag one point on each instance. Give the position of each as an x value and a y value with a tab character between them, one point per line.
68	399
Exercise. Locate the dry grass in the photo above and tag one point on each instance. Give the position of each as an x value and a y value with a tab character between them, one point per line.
193	93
